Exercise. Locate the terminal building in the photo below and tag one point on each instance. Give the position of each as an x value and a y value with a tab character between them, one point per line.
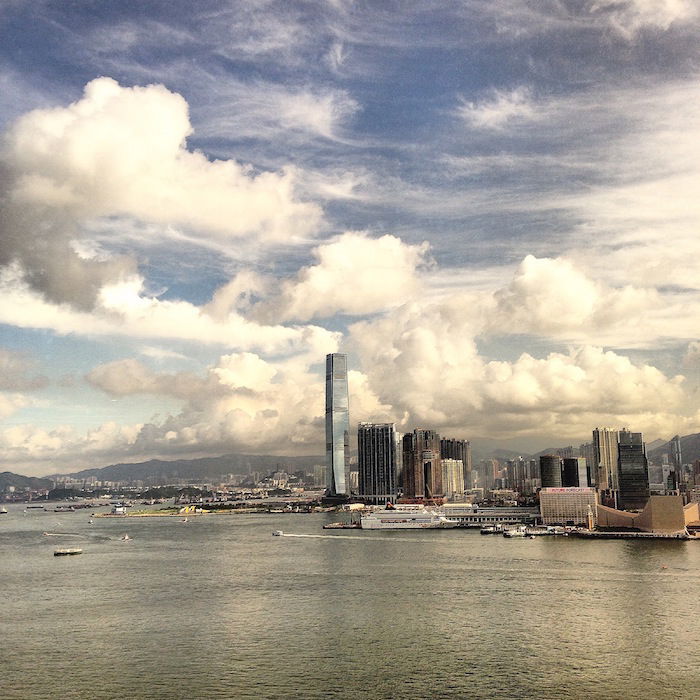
469	515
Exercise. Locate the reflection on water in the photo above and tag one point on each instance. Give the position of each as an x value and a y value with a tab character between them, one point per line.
220	608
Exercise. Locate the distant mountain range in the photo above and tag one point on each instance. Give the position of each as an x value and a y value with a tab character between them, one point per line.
20	482
690	448
203	469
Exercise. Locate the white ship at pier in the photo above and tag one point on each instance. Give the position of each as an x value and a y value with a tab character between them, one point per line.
405	517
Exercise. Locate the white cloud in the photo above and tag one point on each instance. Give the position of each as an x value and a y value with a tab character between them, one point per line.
122	152
628	17
355	275
554	298
499	110
123	310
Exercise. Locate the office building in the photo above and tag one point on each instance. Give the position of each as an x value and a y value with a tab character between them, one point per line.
568	506
337	424
461	450
550	471
452	478
605	450
377	459
633	471
574	471
422	469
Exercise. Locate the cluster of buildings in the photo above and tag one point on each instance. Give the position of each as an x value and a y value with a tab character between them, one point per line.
612	471
418	465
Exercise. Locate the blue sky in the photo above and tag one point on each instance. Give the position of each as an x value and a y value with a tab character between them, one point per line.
491	206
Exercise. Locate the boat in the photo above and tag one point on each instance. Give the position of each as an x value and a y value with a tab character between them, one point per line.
277	533
406	517
491	530
125	537
67	552
515	532
3	510
342	526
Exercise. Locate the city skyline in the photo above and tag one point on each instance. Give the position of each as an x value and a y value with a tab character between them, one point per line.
200	203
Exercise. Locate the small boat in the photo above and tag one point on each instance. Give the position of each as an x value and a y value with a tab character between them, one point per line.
3	510
125	537
277	533
67	552
184	520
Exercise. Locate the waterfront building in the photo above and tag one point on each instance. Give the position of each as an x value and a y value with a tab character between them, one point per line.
421	462
661	514
452	478
633	471
461	450
337	424
550	471
574	471
468	515
606	468
568	505
377	459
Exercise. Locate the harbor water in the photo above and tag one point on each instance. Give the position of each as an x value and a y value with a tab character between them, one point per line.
217	607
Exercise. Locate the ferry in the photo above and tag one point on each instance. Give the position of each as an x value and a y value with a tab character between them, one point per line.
67	552
405	517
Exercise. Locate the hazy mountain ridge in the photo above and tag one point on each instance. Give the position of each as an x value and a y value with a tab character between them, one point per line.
690	448
203	468
8	479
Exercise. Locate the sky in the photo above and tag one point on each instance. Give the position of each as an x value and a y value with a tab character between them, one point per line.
491	206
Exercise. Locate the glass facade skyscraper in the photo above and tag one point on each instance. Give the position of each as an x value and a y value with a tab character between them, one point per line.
337	424
634	472
378	455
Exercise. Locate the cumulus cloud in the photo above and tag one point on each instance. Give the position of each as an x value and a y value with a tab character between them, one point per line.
499	109
551	297
355	274
122	152
425	362
124	309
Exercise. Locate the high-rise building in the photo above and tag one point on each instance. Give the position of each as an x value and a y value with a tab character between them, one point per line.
633	469
452	478
568	506
574	472
337	424
422	477
377	459
461	450
550	471
606	468
677	461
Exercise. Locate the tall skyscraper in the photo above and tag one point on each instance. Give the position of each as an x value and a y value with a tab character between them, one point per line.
574	472
461	450
337	424
677	461
606	469
452	478
633	468
422	474
550	471
377	460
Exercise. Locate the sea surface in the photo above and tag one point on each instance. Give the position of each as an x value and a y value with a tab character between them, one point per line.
216	607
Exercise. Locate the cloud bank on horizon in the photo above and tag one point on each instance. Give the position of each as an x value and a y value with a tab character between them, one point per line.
491	206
